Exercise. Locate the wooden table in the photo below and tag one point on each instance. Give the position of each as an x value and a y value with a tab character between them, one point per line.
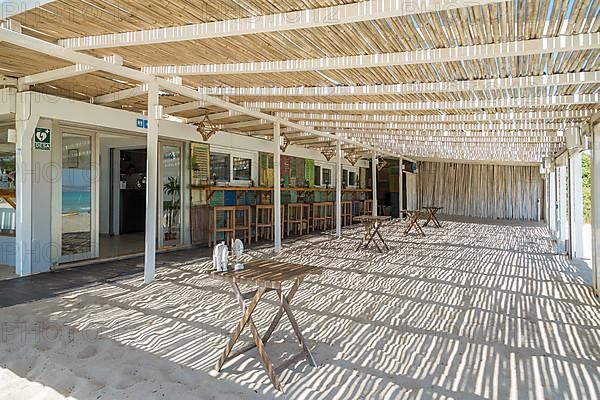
266	276
372	224
413	221
432	210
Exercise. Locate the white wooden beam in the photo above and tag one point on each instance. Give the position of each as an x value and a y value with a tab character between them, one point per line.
587	41
411	88
302	19
511	102
185	107
66	72
441	118
420	126
245	124
121	95
214	117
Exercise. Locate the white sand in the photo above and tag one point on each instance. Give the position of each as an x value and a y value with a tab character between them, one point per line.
470	312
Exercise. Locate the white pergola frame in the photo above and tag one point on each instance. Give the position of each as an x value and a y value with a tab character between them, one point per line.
155	112
585	41
305	19
521	83
543	101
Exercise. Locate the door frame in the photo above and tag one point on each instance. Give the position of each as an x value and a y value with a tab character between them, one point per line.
159	217
94	198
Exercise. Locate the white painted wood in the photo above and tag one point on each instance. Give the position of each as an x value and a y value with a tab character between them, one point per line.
552	203
277	187
563	222
25	122
503	192
400	187
587	41
121	95
374	178
537	115
66	72
576	205
303	19
185	107
510	102
526	125
151	184
338	189
596	207
411	88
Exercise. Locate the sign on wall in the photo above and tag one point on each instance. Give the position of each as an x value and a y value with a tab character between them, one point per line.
42	139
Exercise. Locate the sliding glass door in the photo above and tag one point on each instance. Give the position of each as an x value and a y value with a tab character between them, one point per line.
77	200
170	195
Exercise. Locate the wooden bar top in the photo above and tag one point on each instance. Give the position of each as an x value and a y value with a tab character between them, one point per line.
270	274
270	189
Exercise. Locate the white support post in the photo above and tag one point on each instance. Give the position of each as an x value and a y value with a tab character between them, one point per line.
552	203
277	187
400	186
596	207
576	205
374	178
151	184
563	225
26	175
338	190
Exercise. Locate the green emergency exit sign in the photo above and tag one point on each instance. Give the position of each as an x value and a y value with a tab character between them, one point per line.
42	139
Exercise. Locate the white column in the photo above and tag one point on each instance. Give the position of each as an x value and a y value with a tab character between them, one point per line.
26	175
563	225
576	205
151	184
277	187
400	186
596	207
374	179
338	190
552	203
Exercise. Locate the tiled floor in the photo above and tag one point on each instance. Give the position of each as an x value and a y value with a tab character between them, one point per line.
472	311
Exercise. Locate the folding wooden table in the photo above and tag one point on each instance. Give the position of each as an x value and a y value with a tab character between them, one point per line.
372	224
432	210
413	221
266	276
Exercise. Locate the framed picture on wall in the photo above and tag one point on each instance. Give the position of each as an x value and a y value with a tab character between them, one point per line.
72	160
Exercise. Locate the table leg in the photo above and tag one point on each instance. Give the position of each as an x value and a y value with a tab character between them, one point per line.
429	216
381	238
372	232
288	311
280	312
239	328
419	228
436	221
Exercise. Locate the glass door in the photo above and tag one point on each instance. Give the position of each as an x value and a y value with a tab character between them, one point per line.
170	195
76	236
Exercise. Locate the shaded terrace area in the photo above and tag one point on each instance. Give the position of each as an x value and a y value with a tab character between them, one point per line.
475	310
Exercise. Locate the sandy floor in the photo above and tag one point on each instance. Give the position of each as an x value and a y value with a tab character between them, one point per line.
472	311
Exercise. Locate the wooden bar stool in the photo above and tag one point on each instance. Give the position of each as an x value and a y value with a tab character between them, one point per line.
329	214
346	213
322	217
263	224
243	223
367	207
295	218
228	226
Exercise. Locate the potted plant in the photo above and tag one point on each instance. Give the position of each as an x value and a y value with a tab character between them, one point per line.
171	188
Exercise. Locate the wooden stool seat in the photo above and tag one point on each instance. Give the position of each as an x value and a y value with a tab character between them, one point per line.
346	213
298	218
228	228
322	216
263	224
243	222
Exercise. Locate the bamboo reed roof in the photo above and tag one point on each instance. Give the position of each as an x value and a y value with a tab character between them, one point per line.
463	27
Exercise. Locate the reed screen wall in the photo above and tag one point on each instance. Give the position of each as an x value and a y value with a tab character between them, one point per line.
485	191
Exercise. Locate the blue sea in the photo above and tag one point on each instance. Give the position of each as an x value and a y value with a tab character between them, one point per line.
76	202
